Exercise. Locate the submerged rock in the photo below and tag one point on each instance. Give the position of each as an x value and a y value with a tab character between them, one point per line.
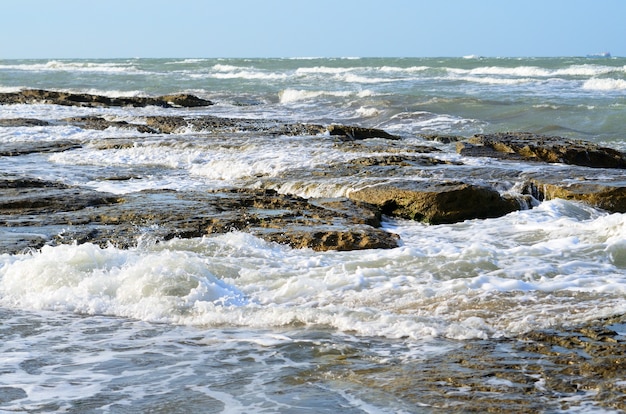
436	202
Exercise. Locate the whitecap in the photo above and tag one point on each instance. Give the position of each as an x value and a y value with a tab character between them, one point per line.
605	84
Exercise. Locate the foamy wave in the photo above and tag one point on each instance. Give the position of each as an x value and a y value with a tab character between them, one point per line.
354	78
421	121
496	81
526	71
236	279
227	68
185	61
139	155
10	89
92	280
588	70
366	112
249	74
536	72
412	69
56	65
224	71
605	84
324	70
295	95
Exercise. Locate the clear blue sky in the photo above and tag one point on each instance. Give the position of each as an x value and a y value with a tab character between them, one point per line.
321	28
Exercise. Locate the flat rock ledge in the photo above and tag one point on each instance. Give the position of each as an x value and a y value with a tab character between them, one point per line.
607	193
34	213
532	147
392	177
30	96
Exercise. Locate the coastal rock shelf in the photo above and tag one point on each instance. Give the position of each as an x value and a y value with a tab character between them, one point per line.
394	178
31	96
61	214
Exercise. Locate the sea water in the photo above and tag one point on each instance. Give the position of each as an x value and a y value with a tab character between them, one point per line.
231	323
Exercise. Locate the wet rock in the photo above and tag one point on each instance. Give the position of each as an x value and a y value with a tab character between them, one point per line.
211	124
533	147
35	212
354	238
18	122
166	124
184	100
100	124
88	100
22	196
606	191
436	202
444	139
398	160
354	133
13	149
390	147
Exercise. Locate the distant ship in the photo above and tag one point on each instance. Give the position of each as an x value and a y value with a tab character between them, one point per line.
600	55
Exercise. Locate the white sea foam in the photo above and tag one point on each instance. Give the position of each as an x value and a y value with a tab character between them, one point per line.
604	84
367	112
10	89
230	306
523	71
295	95
497	81
538	72
421	121
437	284
325	70
76	66
355	78
411	69
222	71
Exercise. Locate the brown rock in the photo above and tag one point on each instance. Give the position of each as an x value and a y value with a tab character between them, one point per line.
436	203
185	100
533	147
166	124
89	100
35	212
607	194
354	238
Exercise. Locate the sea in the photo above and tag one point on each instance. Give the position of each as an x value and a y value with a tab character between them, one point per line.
230	323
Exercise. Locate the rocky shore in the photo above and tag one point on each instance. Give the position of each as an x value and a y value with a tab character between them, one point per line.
410	181
35	212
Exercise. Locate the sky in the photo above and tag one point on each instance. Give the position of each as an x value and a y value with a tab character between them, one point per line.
310	28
